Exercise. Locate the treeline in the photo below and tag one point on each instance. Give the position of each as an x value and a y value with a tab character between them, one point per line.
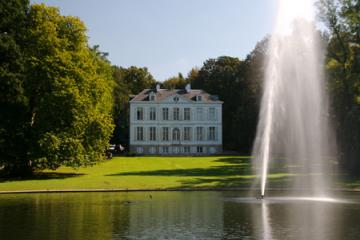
62	102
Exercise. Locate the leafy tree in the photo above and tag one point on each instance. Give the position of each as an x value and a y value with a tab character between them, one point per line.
192	75
137	79
13	102
342	19
67	87
176	82
128	81
227	77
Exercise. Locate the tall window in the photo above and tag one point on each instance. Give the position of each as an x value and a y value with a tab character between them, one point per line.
199	114
165	134
187	149
187	136
212	114
212	134
140	134
152	113
139	114
165	114
176	114
165	149
199	133
152	134
176	134
186	113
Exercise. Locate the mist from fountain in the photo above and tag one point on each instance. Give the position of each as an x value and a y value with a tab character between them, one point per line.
293	130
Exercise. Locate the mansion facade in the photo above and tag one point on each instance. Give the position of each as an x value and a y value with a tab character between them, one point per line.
175	122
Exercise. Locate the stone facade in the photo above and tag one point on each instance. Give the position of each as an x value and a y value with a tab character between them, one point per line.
175	122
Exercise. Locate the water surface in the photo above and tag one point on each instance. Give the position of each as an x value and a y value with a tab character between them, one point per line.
176	215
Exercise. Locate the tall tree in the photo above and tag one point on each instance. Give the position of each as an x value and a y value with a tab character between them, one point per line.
128	81
13	101
342	18
227	77
67	90
137	79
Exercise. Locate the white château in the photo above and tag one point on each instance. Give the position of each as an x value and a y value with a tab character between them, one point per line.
175	122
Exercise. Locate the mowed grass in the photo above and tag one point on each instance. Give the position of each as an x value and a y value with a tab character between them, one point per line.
146	173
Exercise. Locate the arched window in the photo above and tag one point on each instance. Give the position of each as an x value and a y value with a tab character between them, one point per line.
176	134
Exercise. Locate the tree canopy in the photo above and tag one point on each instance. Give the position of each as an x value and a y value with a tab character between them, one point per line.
228	77
67	92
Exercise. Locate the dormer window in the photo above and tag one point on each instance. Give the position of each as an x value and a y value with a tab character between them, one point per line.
199	98
176	99
152	96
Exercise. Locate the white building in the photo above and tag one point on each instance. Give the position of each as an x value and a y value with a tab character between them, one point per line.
179	121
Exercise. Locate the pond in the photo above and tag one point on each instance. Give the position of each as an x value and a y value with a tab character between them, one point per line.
176	215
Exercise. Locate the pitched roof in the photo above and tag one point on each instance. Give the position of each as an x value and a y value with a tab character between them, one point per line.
162	94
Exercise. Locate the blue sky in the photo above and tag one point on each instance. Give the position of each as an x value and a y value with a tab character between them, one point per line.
171	36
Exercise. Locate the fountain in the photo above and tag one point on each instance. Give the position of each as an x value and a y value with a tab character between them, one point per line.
293	129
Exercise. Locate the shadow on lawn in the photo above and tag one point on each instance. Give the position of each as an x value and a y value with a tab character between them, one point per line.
42	176
238	166
236	172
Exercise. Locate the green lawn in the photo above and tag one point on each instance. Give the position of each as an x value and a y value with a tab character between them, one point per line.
146	173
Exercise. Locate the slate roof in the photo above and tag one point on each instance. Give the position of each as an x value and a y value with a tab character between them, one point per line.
162	94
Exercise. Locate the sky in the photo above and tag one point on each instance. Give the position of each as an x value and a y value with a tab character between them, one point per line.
171	36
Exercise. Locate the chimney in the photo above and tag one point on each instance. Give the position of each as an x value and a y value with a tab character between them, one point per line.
188	87
157	87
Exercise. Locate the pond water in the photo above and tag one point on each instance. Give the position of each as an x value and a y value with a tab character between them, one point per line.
176	215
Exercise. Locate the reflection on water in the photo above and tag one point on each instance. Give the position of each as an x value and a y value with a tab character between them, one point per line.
175	215
266	221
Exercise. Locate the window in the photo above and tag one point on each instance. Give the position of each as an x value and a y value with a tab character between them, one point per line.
152	150
176	134
139	134
199	133
187	136
212	114
165	134
199	98
176	114
212	134
139	114
139	150
199	149
199	114
165	149
152	134
176	99
186	113
152	97
152	113
165	113
186	149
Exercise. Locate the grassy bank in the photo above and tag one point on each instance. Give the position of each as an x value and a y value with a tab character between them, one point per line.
156	173
145	173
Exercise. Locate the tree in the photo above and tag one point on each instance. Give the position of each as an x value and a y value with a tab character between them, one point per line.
13	101
176	82
228	77
67	86
342	19
137	79
128	81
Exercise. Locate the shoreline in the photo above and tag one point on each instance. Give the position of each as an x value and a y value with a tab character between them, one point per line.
153	190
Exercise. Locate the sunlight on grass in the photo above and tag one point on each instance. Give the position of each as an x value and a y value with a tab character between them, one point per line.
147	173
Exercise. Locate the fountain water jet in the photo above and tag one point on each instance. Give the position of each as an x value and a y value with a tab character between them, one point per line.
293	122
